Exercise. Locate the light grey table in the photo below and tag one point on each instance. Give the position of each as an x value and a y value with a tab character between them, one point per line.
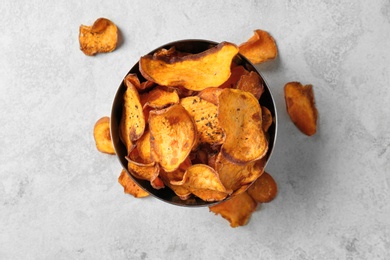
59	197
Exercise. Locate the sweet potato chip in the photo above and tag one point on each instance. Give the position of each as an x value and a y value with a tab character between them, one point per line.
264	189
102	136
251	83
237	210
236	73
173	134
170	178
132	125
159	97
130	187
102	36
259	48
210	68
203	181
301	107
143	148
267	118
239	114
205	115
210	94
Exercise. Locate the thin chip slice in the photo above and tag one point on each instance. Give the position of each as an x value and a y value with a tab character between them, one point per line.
172	136
237	210
264	189
259	48
130	187
102	36
132	125
170	178
102	136
210	94
236	73
239	114
267	118
203	181
210	68
251	83
159	97
143	148
205	117
301	107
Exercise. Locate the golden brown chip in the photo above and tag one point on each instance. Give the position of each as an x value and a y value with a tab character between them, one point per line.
267	118
239	114
159	97
236	73
205	115
301	107
102	136
130	187
210	68
172	136
203	181
170	178
259	48
210	94
251	83
143	148
237	210
264	189
132	125
102	36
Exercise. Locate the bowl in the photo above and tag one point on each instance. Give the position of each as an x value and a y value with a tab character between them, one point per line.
189	46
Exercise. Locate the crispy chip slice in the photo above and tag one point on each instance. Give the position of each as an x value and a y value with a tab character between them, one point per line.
239	114
203	181
143	148
259	48
159	97
210	68
267	118
301	107
264	189
130	187
251	83
132	125
237	210
171	178
102	36
173	134
236	73
210	94
102	136
205	117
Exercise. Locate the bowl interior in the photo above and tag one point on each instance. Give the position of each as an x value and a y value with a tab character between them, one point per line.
191	46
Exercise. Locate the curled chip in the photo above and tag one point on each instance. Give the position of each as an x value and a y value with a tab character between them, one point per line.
130	187
251	83
264	189
132	125
210	94
102	36
259	48
198	71
267	118
159	97
172	136
102	136
301	107
239	114
237	210
205	117
236	73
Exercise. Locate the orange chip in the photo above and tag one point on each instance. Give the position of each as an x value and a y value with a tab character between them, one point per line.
301	107
102	136
264	189
143	148
236	73
267	118
205	115
159	97
239	115
172	136
251	83
259	48
102	36
170	178
210	68
210	94
132	125
237	210
130	187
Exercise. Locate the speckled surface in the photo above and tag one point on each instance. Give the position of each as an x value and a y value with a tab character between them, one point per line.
59	197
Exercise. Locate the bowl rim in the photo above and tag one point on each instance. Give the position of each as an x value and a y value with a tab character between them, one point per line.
167	195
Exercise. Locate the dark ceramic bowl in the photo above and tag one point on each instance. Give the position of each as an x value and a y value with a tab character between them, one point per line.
189	46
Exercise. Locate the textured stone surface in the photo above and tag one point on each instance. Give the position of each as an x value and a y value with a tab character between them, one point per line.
59	197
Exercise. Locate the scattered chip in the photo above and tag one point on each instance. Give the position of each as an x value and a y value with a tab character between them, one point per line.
264	189
301	107
102	136
102	36
130	187
237	210
259	48
210	68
